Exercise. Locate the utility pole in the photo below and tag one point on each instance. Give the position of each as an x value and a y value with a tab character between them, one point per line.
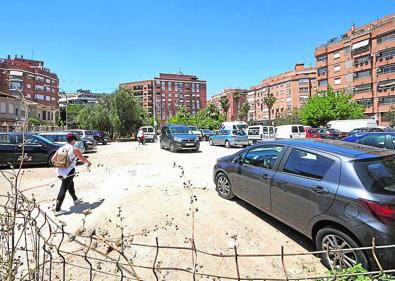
154	106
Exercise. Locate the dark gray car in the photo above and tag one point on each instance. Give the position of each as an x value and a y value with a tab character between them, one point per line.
339	194
178	137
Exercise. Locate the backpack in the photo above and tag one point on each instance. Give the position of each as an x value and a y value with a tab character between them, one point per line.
63	160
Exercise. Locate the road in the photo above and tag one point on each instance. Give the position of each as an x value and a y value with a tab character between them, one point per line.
145	183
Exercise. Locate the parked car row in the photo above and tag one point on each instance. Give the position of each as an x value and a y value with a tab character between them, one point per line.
41	147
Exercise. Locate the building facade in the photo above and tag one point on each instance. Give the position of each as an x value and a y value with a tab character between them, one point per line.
362	62
234	106
79	97
291	90
37	83
167	92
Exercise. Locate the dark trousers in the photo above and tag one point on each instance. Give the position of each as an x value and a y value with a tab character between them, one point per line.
67	185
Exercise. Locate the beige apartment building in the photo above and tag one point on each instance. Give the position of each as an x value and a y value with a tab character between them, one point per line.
362	62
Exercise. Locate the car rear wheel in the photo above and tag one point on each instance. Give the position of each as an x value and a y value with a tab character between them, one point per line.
211	142
224	187
172	147
49	161
330	238
227	144
161	145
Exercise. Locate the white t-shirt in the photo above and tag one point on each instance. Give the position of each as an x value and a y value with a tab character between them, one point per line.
140	133
63	172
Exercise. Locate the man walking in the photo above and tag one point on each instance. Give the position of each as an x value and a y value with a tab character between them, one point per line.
65	159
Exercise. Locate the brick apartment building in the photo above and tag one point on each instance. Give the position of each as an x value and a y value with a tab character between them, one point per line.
38	84
233	106
169	91
362	62
291	90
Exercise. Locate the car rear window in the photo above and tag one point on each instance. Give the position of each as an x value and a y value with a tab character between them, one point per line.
253	131
301	129
5	139
238	133
377	175
294	129
151	130
307	164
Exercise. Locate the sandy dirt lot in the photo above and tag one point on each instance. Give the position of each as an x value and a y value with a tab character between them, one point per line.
145	185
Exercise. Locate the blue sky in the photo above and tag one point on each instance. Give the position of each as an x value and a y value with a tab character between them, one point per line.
230	43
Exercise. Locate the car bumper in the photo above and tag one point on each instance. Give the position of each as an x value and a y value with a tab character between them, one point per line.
239	142
187	146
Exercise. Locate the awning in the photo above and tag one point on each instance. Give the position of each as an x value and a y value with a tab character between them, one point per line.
361	44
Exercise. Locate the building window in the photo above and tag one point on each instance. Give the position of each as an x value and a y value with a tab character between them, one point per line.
361	74
347	49
169	84
336	68
15	86
386	54
388	100
303	81
3	107
321	58
362	60
39	78
11	108
363	88
338	81
336	55
348	64
163	85
386	84
322	83
365	102
29	86
389	37
322	71
386	69
197	88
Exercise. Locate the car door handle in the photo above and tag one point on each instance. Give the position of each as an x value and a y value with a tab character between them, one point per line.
319	189
266	177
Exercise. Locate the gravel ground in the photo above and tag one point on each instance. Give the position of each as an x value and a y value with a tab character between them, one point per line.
145	185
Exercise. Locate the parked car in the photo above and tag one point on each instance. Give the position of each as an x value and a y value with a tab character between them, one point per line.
259	132
100	137
339	194
382	140
364	130
206	134
60	138
38	149
196	132
178	137
329	133
312	133
149	133
229	138
290	131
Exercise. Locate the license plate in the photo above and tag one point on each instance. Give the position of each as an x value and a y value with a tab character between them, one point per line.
189	144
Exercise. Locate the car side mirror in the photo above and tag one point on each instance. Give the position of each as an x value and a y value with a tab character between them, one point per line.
237	160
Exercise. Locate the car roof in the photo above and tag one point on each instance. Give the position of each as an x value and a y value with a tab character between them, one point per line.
341	148
362	134
54	133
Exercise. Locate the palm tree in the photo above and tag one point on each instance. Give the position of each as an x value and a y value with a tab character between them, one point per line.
225	105
245	108
212	111
237	96
269	100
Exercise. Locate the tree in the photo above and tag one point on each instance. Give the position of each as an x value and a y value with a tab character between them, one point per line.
288	118
126	114
213	111
237	96
245	108
72	112
390	116
329	105
224	101
269	101
34	121
203	119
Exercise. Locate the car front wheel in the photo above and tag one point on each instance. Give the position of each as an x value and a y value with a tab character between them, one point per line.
331	238
227	144
224	186
172	147
211	142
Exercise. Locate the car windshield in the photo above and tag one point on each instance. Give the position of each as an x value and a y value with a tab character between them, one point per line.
80	133
238	133
150	130
207	131
180	130
241	126
377	175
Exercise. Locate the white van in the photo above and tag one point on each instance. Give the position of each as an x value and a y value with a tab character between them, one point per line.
345	126
290	131
149	133
235	125
260	132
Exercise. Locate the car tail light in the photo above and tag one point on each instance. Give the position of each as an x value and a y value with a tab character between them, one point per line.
384	213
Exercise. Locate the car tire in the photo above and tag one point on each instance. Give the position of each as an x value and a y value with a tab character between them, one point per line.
104	142
227	144
329	236
224	186
211	143
172	147
244	146
161	145
197	148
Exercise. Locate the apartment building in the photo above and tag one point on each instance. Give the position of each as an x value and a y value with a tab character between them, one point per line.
234	106
362	62
291	90
79	97
167	92
37	83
